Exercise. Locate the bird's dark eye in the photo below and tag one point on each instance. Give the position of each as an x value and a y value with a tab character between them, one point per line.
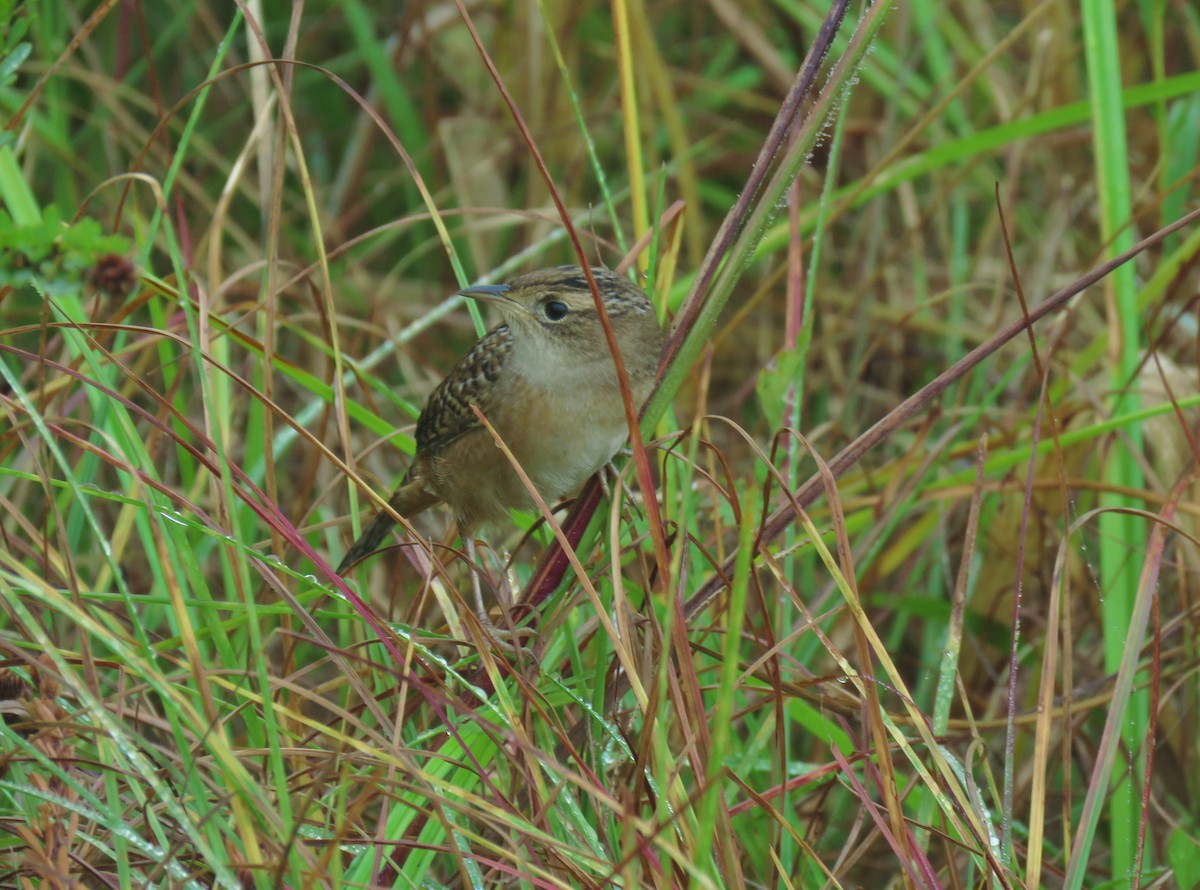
556	310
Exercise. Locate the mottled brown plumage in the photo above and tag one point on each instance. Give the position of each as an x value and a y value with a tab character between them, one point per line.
546	382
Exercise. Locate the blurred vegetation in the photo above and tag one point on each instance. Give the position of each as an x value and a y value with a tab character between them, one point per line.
230	239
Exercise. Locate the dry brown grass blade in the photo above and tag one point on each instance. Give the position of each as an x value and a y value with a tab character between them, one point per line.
924	397
77	40
872	706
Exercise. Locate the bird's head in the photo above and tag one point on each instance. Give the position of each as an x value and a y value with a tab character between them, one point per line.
554	309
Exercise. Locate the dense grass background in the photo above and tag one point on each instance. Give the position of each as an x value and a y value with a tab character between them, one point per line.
226	288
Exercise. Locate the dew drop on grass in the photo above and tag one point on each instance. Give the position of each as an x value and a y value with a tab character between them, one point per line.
1084	553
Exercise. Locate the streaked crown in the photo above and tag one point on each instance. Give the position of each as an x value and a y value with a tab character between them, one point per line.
557	301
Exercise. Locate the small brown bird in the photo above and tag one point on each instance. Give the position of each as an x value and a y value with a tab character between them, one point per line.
546	382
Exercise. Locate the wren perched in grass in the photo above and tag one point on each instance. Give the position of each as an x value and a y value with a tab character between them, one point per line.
546	382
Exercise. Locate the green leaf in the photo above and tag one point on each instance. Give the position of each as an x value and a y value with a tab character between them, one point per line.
775	380
11	62
1183	852
14	190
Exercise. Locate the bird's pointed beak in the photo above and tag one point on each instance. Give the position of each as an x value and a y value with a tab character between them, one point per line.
490	293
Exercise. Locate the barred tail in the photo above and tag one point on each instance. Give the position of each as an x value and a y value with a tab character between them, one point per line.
409	500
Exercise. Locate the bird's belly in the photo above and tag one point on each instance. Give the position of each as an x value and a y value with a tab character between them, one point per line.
568	449
558	445
560	441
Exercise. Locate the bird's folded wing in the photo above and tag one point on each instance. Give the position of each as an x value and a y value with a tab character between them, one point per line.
448	415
